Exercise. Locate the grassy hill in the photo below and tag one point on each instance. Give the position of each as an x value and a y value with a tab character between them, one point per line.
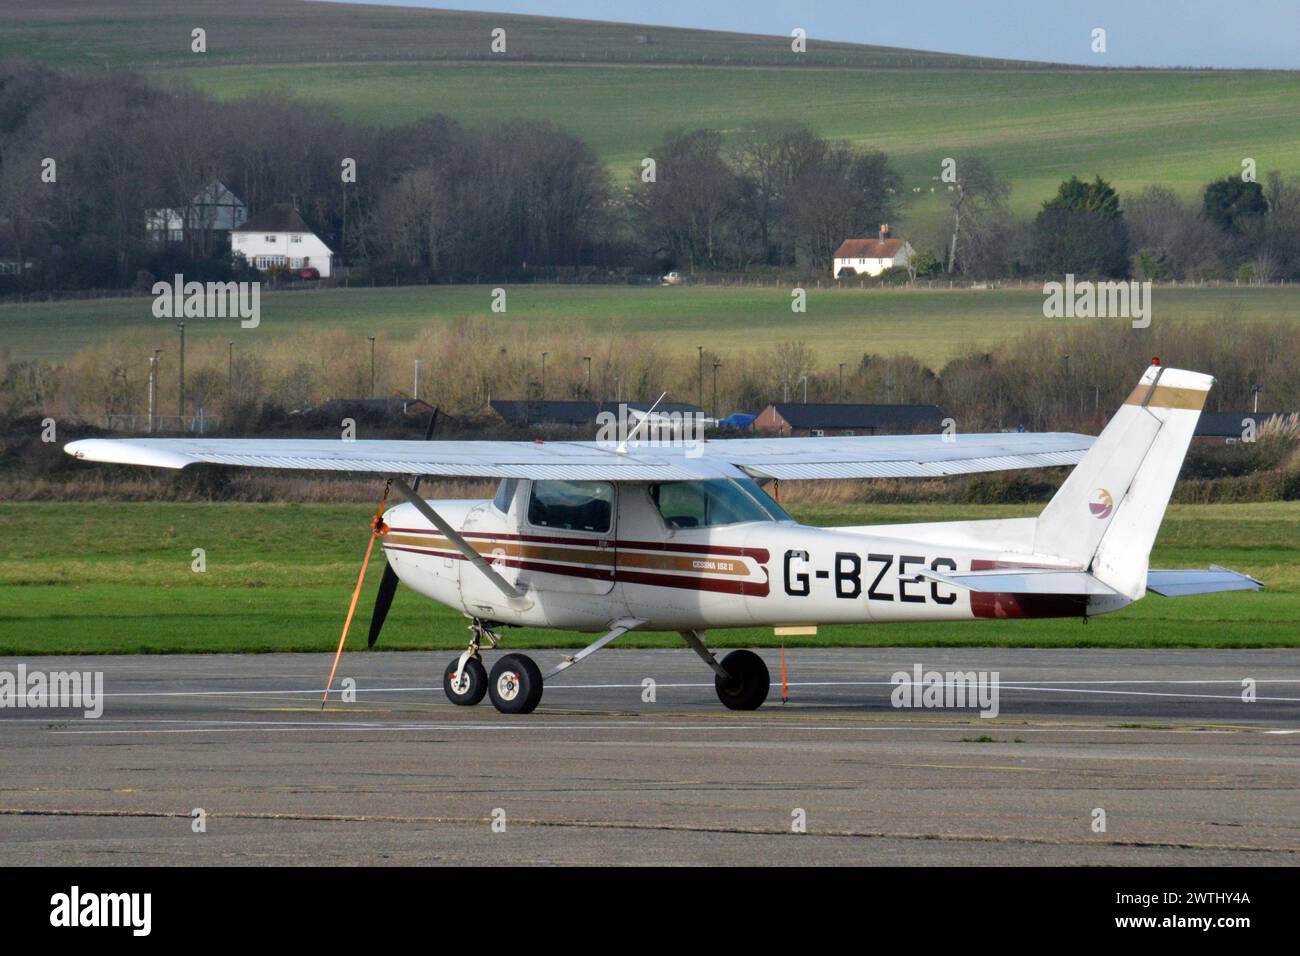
1037	127
621	86
157	32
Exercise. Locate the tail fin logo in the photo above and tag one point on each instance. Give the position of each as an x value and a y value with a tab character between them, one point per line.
1102	504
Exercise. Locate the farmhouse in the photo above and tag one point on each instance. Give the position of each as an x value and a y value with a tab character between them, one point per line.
205	222
279	237
21	250
793	418
872	256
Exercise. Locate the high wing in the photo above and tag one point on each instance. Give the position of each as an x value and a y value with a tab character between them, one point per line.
884	456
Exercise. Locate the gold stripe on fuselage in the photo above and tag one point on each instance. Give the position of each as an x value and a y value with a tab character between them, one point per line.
599	557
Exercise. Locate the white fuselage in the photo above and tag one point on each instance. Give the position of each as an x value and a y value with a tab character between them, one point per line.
750	574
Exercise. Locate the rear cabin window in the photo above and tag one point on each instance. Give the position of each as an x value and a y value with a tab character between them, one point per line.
572	505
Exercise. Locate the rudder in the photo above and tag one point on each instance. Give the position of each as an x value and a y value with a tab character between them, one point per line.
1106	515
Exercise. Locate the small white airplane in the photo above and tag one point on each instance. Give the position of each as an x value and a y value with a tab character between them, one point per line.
669	536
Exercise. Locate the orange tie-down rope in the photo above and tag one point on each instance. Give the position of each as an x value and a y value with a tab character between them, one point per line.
377	528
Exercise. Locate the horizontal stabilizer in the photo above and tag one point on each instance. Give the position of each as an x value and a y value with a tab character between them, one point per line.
1023	581
1197	581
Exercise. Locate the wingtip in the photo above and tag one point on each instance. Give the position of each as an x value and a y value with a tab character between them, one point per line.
125	451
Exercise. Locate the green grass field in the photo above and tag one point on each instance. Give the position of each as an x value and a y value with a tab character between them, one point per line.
840	324
1037	128
117	578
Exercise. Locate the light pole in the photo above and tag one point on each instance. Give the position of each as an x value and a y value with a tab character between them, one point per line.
544	354
372	365
618	387
716	366
805	389
587	359
153	386
841	381
700	349
1255	390
180	389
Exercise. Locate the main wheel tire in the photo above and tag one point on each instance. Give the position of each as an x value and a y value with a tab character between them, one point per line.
471	687
749	683
515	685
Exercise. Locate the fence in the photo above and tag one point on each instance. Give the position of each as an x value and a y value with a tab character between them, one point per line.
197	424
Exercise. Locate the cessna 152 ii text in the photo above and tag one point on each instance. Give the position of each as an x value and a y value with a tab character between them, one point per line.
606	538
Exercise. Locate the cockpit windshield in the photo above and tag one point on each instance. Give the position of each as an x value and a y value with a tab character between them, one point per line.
705	504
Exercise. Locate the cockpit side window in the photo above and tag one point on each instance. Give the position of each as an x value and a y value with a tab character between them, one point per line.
704	504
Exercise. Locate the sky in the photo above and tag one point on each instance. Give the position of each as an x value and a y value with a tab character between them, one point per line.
1219	33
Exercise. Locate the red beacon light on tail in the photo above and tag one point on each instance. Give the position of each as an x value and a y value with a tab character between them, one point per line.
1155	360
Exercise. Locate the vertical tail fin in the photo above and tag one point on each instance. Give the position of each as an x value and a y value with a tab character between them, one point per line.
1106	515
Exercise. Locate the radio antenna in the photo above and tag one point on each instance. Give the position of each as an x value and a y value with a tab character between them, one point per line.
622	446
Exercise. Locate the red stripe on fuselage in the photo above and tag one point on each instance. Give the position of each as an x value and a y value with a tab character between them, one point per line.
752	588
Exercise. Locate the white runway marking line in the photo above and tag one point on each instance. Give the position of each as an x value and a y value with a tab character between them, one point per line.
1032	685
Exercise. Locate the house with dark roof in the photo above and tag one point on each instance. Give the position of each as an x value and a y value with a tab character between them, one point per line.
581	414
798	418
279	238
206	221
871	256
1230	427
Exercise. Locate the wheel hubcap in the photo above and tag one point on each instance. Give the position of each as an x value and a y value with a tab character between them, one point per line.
508	686
460	686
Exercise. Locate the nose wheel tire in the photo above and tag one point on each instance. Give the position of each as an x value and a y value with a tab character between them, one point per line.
515	685
748	684
471	686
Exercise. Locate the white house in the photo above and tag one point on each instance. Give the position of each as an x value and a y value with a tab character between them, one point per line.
214	211
872	256
279	237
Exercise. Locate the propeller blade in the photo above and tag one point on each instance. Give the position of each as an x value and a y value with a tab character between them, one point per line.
428	433
388	583
383	601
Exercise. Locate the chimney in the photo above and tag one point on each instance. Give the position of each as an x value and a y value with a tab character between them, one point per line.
884	231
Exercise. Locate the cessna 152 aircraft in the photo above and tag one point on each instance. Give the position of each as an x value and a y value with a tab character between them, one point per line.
669	536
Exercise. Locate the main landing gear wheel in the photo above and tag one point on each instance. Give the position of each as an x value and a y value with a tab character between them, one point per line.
747	688
515	685
471	686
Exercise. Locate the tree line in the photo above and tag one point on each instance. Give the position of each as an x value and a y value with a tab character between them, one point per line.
435	201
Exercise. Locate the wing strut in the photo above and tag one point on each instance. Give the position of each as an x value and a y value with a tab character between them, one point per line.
512	593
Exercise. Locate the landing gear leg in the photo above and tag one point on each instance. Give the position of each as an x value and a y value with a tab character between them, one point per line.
741	680
465	679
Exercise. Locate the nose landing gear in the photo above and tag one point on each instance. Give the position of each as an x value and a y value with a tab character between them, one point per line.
515	684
